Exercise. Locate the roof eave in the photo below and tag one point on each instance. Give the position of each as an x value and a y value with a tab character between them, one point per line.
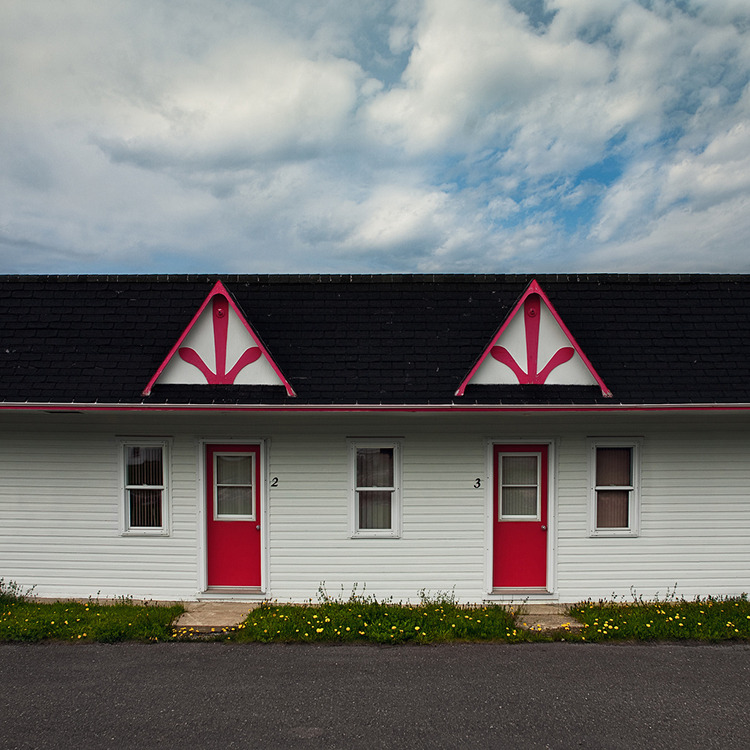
75	407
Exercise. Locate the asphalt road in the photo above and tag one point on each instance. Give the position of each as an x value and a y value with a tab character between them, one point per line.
211	695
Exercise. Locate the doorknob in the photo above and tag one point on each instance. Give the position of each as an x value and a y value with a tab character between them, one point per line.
544	528
257	528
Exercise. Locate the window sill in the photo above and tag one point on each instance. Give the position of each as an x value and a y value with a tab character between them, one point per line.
375	535
145	532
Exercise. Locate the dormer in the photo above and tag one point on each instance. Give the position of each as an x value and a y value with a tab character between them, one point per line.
219	347
533	347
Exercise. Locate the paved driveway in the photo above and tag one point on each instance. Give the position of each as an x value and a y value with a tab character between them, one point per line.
207	695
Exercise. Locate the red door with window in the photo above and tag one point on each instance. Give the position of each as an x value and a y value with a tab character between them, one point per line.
520	516
233	515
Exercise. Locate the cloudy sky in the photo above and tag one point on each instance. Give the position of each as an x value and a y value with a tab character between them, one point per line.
359	136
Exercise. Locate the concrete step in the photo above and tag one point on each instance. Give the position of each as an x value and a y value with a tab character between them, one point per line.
545	617
542	609
206	617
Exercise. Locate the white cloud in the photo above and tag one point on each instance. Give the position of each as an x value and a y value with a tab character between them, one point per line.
627	202
682	240
346	135
721	171
238	107
395	217
476	70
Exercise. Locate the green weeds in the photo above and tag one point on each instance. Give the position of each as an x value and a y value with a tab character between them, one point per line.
441	620
710	619
11	592
363	619
28	621
438	618
370	621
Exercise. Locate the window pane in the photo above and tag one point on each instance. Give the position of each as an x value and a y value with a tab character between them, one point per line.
145	508
519	501
234	501
612	509
144	465
234	470
374	510
520	469
374	467
613	467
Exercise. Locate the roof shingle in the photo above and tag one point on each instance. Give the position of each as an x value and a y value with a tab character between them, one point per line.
375	339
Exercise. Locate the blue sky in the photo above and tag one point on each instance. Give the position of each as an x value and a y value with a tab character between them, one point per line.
352	136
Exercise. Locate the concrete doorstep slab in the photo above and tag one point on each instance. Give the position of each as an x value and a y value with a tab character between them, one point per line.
204	617
543	617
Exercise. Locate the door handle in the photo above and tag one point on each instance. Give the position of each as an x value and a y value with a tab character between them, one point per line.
257	528
544	528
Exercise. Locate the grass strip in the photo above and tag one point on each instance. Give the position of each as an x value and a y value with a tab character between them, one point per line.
366	620
27	621
376	622
710	619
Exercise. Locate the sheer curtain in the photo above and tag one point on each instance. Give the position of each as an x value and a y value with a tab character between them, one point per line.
613	469
520	477
234	485
375	471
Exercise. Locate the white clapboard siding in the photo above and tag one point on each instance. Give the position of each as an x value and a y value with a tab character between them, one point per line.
60	503
695	516
441	544
60	514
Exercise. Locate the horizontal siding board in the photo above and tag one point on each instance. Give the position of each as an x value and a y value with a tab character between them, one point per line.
59	517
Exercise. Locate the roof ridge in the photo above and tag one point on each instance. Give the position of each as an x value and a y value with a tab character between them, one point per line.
212	278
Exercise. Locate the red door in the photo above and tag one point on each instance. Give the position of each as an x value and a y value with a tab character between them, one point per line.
520	516
233	515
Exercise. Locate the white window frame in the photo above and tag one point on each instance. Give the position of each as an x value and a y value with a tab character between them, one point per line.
498	468
634	497
394	531
125	527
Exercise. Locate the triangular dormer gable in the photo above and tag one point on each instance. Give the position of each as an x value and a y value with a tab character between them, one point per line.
219	347
533	347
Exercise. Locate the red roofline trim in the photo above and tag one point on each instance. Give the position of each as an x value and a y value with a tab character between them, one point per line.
218	290
80	408
534	288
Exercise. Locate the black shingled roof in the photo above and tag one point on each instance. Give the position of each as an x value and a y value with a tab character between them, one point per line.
370	340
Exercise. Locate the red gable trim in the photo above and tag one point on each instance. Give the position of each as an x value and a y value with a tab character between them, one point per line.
534	288
218	289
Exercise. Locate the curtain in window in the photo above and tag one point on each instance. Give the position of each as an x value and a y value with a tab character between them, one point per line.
613	469
519	485
374	469
375	510
145	508
145	466
612	509
234	491
145	469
